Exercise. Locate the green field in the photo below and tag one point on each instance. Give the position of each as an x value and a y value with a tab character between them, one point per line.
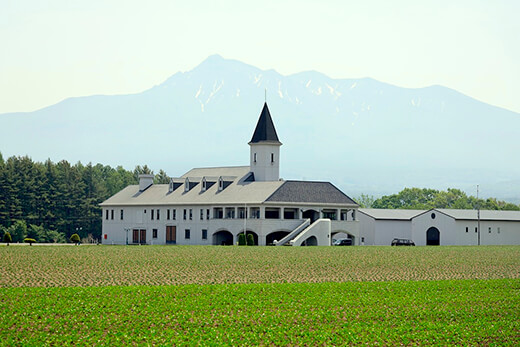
116	295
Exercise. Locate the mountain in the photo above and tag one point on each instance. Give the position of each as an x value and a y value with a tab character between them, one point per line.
363	135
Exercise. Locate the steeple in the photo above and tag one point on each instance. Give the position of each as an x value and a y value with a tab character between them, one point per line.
265	130
265	149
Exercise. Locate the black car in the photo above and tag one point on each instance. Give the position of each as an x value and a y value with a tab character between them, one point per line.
342	242
402	242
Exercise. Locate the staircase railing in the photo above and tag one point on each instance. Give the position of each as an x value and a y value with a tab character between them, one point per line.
294	233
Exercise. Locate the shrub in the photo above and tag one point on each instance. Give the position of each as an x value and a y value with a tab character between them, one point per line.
29	241
7	238
75	239
241	239
250	240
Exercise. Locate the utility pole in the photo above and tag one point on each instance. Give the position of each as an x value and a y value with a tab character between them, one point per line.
245	222
478	217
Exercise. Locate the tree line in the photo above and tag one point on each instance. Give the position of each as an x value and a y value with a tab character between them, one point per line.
425	199
51	201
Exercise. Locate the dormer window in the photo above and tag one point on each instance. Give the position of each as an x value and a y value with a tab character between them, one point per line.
204	187
220	183
186	185
170	187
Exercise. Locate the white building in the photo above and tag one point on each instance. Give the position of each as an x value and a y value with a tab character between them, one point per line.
381	226
214	205
440	227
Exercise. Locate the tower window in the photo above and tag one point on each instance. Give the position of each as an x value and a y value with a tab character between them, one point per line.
254	159
272	157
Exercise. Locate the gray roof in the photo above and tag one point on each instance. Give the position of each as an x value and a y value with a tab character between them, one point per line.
390	214
484	214
265	131
239	191
310	192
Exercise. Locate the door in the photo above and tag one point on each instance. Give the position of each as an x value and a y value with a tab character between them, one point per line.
143	236
433	237
135	236
171	234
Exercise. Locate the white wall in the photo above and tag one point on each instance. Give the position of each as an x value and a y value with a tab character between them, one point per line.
263	168
135	218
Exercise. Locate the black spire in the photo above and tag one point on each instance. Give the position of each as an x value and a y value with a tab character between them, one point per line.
265	130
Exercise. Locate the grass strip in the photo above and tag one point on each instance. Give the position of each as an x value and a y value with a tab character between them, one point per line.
453	312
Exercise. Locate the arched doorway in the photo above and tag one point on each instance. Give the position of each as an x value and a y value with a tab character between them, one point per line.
223	238
433	237
311	241
277	235
313	215
249	232
341	234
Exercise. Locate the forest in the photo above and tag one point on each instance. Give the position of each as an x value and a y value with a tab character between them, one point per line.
49	202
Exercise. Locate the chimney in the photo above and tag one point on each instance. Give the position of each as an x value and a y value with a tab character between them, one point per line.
145	181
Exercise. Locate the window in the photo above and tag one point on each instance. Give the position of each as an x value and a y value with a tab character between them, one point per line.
170	187
433	215
112	214
207	213
254	158
498	230
255	212
362	239
106	215
220	183
168	214
154	233
186	185
174	214
330	214
242	212
158	214
489	230
121	214
272	157
187	234
191	214
201	214
272	213
290	213
476	229
218	213
204	234
185	214
151	213
467	229
230	212
204	184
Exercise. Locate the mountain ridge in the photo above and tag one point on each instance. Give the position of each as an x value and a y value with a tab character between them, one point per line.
347	131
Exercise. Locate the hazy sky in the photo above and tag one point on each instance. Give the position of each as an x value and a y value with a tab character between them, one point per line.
54	49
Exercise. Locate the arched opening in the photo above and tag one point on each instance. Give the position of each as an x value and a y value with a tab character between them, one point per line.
342	234
313	215
311	241
275	236
249	232
223	238
433	237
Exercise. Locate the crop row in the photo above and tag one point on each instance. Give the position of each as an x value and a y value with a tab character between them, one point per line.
48	266
468	312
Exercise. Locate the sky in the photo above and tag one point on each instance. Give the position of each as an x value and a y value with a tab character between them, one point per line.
55	49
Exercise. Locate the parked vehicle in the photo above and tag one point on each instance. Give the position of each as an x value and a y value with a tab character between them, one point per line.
402	242
342	242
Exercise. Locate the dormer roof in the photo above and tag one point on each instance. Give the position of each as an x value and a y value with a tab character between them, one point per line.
265	131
